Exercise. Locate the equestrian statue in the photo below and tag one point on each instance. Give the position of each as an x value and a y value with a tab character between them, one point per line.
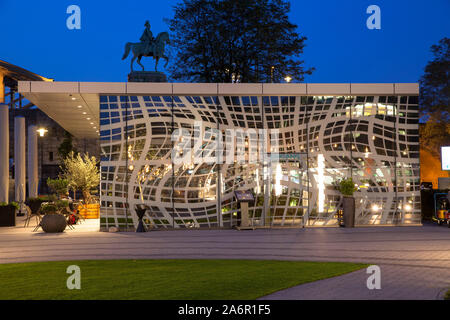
148	47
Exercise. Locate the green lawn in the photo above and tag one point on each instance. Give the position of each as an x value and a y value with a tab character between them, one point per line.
447	295
163	279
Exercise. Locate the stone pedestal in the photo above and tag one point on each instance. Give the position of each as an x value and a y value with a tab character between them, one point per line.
244	214
146	76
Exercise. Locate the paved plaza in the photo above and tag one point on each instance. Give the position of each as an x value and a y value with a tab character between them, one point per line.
414	261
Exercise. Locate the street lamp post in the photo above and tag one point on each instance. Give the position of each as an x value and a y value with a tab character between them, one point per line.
42	131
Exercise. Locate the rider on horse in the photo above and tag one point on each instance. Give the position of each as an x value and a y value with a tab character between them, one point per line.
147	37
148	47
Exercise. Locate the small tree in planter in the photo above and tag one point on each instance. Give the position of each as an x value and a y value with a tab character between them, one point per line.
53	220
8	214
35	203
347	188
82	174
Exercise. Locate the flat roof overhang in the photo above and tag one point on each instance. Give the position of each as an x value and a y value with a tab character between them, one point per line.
19	74
61	100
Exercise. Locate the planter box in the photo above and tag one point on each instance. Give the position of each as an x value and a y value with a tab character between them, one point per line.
7	216
349	212
90	211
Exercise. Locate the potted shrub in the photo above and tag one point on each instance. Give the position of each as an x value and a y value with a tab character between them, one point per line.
59	186
82	174
35	204
8	214
53	221
347	188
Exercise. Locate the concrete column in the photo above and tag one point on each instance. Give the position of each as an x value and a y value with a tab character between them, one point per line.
32	162
19	158
4	152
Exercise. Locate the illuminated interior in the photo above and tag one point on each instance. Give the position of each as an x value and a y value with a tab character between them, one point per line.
373	139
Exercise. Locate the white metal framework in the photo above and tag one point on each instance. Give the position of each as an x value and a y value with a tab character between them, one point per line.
370	137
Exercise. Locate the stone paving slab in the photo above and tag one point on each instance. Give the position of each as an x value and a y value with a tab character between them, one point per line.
397	283
415	261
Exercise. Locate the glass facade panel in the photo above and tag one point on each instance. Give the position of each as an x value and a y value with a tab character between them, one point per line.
318	140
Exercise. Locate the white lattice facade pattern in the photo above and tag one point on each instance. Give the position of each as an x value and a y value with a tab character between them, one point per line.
372	138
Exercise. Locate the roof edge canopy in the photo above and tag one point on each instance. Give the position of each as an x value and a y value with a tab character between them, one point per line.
75	105
20	74
129	88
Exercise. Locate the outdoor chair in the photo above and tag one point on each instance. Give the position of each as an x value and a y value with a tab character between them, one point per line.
67	212
33	211
74	208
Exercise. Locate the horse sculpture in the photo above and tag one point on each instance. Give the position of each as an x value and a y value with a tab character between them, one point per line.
156	52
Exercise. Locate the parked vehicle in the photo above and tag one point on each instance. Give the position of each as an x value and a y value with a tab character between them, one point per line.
441	209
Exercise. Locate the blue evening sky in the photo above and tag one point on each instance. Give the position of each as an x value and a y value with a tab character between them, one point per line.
34	35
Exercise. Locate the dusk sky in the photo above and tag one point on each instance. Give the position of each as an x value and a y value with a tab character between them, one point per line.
340	47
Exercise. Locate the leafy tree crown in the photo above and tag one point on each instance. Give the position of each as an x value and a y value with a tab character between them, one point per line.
235	41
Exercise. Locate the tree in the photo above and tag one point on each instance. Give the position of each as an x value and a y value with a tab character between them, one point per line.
66	146
82	174
434	134
435	83
235	41
434	99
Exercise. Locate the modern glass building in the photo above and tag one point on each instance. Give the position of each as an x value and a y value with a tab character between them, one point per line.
309	135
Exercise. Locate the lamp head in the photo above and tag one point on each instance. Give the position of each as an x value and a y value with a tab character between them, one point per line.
42	131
